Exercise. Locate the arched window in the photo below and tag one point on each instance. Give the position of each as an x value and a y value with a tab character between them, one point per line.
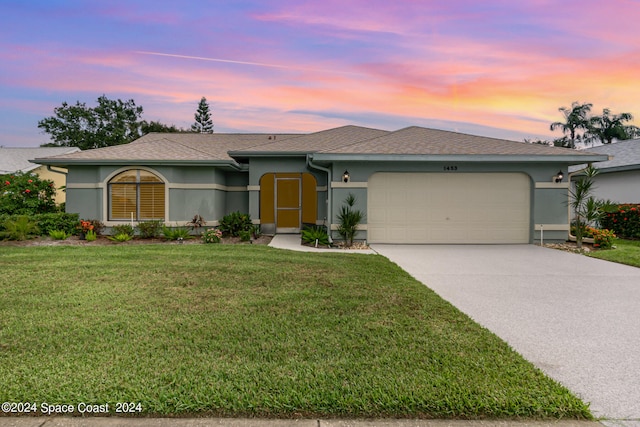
136	193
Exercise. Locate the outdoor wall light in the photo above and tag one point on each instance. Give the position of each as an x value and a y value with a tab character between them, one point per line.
345	176
558	177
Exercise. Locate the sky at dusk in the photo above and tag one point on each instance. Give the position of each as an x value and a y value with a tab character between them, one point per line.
493	68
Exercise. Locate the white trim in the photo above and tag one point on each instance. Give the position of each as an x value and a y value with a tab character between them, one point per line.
336	184
552	185
321	188
165	222
552	227
363	227
220	187
253	188
86	185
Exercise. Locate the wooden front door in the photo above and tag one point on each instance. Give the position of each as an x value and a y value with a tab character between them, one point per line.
288	208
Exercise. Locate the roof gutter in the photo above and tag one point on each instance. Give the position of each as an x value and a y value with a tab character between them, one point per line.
50	169
568	159
133	162
310	164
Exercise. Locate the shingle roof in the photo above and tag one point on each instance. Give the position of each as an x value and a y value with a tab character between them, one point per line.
341	141
317	141
626	155
17	159
422	141
173	147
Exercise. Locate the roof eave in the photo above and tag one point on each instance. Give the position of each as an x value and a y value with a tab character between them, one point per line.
129	162
567	159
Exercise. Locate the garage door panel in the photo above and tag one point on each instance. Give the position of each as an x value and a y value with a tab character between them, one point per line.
448	208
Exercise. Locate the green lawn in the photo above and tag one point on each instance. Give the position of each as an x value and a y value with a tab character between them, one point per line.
626	252
251	331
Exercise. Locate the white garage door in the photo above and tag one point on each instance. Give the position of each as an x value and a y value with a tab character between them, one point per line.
448	208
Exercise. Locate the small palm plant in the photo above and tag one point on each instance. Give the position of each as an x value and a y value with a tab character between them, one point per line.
586	209
21	228
349	219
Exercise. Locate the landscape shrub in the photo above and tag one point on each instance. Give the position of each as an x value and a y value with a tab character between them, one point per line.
603	238
311	234
21	228
150	229
120	237
58	234
48	222
349	219
26	194
177	233
122	229
212	235
623	220
234	223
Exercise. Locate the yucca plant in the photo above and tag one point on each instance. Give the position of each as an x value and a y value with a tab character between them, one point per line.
316	233
349	219
179	233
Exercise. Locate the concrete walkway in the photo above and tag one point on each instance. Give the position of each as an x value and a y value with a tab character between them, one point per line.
576	318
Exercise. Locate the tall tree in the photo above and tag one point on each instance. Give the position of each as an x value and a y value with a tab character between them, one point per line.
152	126
203	123
112	122
607	127
575	120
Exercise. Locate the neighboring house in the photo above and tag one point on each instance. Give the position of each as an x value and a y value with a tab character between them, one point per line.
618	179
415	185
18	160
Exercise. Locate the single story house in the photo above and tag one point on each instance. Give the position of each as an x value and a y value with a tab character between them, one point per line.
415	185
618	178
16	159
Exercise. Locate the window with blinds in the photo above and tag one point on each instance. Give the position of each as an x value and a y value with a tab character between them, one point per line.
137	194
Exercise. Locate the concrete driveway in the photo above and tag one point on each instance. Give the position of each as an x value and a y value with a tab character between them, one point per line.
576	318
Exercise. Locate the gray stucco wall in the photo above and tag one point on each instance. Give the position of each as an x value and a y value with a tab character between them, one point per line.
619	187
212	192
191	190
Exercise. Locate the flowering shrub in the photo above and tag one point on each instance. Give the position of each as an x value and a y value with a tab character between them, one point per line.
85	226
26	194
603	238
211	235
624	221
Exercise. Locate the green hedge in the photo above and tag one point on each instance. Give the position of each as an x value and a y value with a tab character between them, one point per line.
624	221
49	221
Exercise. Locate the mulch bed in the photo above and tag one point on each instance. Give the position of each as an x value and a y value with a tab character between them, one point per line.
104	241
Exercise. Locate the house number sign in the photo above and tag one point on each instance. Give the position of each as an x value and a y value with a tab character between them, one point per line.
450	168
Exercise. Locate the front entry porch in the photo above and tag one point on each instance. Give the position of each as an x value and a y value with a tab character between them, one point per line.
287	201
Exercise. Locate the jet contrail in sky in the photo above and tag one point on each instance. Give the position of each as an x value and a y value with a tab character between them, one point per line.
256	64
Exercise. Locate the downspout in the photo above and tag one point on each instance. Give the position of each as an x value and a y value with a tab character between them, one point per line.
310	164
56	171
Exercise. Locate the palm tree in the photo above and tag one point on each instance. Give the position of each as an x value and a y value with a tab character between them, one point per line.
575	120
607	127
